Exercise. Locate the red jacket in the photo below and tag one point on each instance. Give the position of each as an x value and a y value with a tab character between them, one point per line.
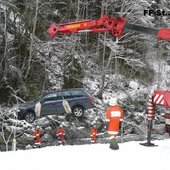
60	133
37	138
114	115
93	134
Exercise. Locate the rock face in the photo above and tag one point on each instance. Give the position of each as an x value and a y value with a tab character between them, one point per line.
77	131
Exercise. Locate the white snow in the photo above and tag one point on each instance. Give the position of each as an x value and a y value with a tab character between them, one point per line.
133	84
130	156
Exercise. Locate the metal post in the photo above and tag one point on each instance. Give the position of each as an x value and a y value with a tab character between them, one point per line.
149	132
122	127
14	143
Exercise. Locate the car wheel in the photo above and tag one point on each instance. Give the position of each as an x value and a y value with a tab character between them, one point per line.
30	117
78	111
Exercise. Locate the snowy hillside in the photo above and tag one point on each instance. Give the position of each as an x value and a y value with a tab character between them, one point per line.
130	156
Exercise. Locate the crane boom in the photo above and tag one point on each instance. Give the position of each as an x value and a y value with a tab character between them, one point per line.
104	24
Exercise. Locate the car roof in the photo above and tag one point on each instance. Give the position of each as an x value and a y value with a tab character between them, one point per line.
61	90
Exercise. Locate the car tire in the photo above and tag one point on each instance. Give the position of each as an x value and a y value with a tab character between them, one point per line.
30	117
78	111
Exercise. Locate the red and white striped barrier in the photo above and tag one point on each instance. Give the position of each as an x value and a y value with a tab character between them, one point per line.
159	99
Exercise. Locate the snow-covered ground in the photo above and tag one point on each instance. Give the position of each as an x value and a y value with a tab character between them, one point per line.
130	156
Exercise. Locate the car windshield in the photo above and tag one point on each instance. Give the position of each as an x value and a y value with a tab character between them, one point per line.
37	99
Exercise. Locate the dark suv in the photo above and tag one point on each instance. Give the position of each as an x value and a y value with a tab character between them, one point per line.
52	104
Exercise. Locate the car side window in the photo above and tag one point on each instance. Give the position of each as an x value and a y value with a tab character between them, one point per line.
50	97
77	94
59	96
67	95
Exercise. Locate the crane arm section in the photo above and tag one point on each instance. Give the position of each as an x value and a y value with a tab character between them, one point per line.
105	24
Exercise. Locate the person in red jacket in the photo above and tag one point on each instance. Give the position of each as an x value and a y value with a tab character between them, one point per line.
60	134
93	134
37	138
114	116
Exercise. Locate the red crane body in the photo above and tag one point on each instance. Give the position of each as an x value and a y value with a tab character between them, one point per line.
162	98
159	97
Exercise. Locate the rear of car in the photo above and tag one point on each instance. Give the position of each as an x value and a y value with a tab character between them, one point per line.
79	101
78	97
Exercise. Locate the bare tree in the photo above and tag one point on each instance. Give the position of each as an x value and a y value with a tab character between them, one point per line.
5	134
125	55
32	39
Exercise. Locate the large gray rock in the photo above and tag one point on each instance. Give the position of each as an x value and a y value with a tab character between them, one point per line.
12	129
159	129
43	122
18	123
25	139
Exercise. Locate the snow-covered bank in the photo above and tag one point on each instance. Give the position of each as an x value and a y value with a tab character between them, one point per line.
130	156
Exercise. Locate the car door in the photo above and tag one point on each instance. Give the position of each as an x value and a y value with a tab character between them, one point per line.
49	104
59	103
78	98
67	96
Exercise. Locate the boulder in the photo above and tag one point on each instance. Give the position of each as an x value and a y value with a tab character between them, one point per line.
159	129
25	139
43	122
